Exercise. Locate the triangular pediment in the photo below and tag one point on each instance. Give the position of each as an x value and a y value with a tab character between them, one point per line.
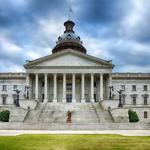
68	58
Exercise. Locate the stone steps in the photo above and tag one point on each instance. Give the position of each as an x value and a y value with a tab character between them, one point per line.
103	114
34	115
57	113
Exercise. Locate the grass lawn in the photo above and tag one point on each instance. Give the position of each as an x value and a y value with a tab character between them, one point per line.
74	142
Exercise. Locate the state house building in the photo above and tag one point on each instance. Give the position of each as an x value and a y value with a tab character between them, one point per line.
70	75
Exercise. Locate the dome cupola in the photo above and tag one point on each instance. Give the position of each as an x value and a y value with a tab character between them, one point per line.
69	26
69	39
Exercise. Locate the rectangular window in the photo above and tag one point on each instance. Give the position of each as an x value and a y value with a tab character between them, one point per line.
4	100
123	87
133	87
145	100
3	87
145	88
15	87
145	114
134	100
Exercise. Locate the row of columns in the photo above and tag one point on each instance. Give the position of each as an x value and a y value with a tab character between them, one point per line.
64	87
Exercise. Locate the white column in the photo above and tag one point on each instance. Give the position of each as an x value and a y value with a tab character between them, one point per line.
55	88
83	89
64	88
45	89
73	88
110	79
36	87
27	79
92	88
101	87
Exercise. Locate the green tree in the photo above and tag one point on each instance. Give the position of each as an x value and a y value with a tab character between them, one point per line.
4	116
133	117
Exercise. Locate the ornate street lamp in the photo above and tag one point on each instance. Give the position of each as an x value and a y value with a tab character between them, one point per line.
120	96
110	90
17	99
27	87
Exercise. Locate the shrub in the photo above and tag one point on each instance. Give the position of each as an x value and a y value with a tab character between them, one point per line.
133	117
4	115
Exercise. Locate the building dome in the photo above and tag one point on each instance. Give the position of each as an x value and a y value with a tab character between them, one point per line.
69	39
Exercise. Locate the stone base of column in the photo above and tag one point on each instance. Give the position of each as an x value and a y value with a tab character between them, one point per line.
92	100
83	101
54	100
64	100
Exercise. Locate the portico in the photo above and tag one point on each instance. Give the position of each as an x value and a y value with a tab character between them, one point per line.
67	87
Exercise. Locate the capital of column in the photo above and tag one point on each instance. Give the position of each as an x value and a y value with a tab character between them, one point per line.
54	74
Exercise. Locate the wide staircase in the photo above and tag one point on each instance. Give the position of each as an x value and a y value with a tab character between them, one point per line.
81	113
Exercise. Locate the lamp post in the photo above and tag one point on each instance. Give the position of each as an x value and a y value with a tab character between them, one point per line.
27	91
110	90
17	99
120	94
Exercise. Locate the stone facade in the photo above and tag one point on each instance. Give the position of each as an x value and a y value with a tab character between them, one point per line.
118	80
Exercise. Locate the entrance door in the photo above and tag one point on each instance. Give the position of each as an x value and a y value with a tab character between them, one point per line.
69	98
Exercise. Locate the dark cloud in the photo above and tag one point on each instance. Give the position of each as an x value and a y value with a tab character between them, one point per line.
142	34
47	7
127	57
103	11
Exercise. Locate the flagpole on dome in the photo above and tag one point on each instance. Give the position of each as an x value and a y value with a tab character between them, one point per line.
70	11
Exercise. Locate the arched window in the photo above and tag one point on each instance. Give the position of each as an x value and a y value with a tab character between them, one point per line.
145	114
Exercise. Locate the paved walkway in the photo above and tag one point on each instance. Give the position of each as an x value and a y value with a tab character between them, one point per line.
119	132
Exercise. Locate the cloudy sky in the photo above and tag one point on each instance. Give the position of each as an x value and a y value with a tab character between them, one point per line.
117	30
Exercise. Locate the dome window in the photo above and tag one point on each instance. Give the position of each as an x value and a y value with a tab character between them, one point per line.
68	36
59	38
